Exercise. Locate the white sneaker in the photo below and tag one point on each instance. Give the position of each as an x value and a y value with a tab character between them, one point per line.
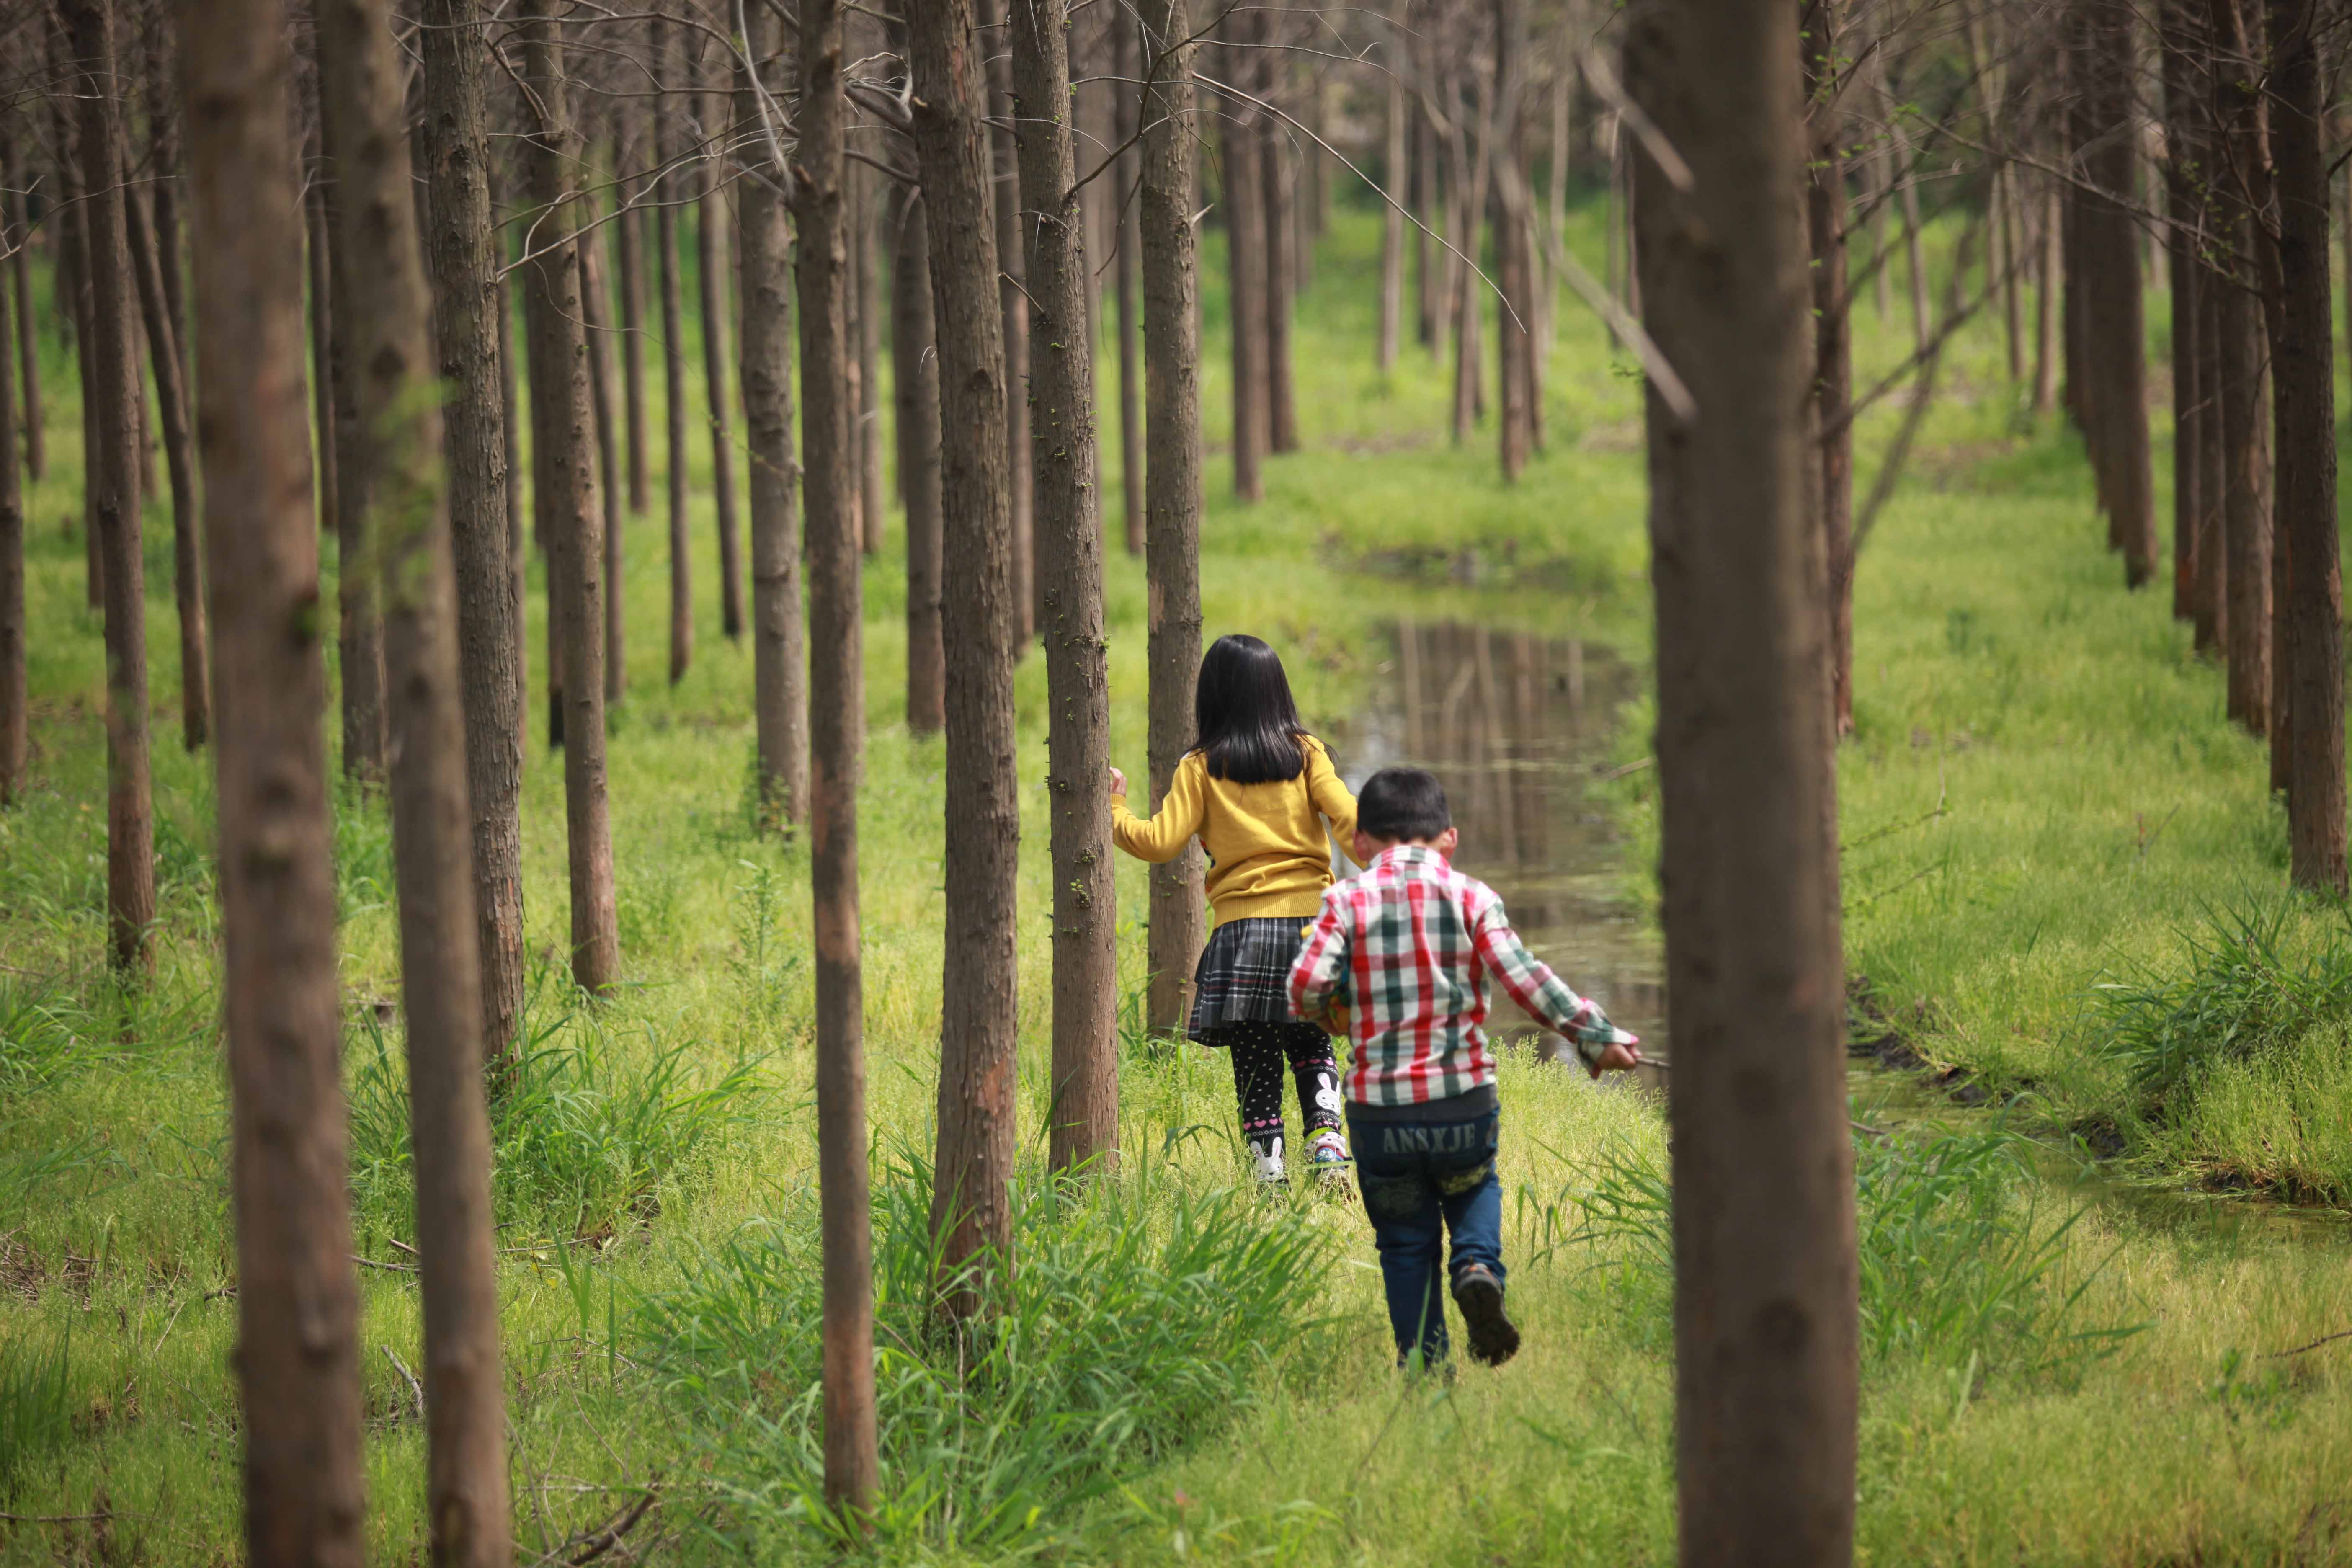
1266	1153
1327	1154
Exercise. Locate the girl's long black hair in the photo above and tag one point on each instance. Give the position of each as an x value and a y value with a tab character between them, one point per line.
1246	724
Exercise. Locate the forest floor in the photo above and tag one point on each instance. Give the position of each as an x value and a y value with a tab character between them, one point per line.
2047	819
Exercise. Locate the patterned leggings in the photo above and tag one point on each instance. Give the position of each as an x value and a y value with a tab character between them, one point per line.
1260	1050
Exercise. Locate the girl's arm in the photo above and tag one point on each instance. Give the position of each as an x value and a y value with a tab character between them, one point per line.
1331	797
1162	837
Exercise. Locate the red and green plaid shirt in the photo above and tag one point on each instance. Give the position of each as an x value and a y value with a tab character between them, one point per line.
1408	944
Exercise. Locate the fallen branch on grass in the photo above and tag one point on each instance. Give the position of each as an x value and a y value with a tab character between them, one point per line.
387	1267
415	1388
596	1543
2322	1340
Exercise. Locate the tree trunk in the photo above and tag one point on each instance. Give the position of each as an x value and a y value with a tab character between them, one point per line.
1173	544
112	476
180	459
628	257
464	265
1393	179
916	366
1093	116
70	282
595	315
2241	366
559	361
837	714
1426	266
14	692
297	1302
2114	335
2212	589
2188	413
1825	225
1084	1114
2012	311
1467	302
2076	389
971	1218
2281	732
171	250
400	454
157	212
2051	272
1005	181
2245	521
29	340
510	423
360	629
1277	182
322	338
2183	110
2303	371
1538	252
681	543
866	253
780	694
1765	1320
1246	262
1125	103
1313	203
711	218
1515	348
543	445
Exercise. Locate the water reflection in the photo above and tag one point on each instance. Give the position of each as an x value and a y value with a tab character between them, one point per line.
1517	727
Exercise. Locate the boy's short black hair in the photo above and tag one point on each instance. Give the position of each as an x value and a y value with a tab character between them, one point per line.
1401	804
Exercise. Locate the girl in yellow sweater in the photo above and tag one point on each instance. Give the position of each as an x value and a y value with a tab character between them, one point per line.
1257	789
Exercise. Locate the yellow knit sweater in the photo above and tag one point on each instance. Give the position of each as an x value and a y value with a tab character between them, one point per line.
1267	855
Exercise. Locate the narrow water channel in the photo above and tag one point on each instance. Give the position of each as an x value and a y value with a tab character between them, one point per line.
1518	728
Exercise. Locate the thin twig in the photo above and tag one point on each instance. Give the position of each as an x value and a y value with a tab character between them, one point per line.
415	1389
387	1267
1654	141
2322	1340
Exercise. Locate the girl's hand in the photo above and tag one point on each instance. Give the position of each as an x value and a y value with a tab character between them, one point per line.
1117	782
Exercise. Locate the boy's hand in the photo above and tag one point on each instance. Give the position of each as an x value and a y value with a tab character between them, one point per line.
1618	1058
1117	782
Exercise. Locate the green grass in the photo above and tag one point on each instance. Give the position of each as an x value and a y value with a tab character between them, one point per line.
1182	1376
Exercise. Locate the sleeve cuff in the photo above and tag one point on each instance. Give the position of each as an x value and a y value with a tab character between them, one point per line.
1597	1037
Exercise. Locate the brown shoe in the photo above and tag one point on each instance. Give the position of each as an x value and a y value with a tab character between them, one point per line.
1493	1338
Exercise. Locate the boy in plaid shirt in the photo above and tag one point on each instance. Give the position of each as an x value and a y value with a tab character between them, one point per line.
1400	958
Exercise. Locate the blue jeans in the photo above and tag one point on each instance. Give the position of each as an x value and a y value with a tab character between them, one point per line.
1421	1180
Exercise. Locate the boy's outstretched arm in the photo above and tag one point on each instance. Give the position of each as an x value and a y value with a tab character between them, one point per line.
1318	975
1545	997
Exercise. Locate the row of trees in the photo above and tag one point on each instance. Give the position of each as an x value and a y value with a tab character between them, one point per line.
396	196
2063	174
938	135
2205	135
